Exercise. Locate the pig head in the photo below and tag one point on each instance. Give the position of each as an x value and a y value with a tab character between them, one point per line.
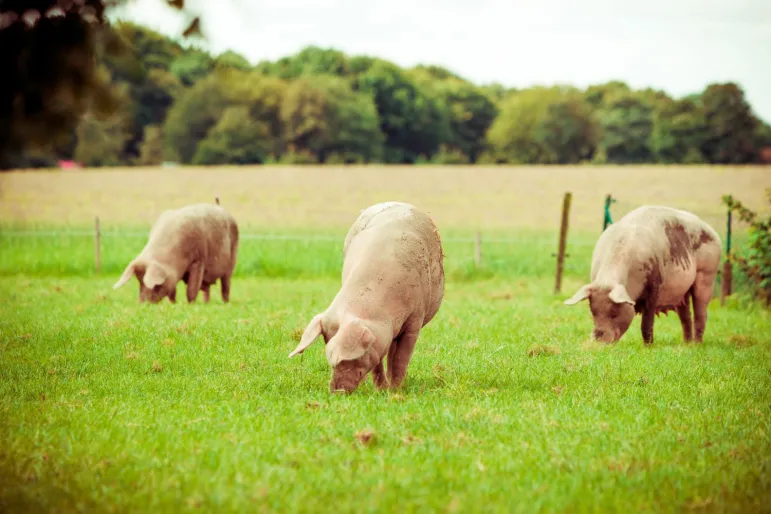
156	280
612	309
352	351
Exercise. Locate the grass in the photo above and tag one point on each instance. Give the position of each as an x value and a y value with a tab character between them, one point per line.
118	406
111	406
62	254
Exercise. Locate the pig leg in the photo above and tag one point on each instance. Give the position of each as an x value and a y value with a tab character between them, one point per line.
225	288
402	353
648	315
391	353
378	376
684	313
194	282
649	309
702	293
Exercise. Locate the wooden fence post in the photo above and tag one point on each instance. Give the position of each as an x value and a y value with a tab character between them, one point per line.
563	240
478	250
97	245
726	283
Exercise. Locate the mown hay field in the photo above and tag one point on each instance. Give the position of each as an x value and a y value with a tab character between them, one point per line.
107	405
459	198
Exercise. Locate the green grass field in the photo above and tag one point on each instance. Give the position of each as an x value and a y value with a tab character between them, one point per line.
108	405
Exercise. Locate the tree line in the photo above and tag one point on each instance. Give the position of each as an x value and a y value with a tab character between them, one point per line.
182	104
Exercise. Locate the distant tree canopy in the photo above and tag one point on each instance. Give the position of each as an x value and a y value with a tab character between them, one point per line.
52	75
122	94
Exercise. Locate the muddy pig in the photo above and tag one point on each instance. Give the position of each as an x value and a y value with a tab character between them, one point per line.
392	286
197	244
653	260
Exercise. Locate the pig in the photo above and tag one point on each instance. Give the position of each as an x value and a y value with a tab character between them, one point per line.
653	260
197	244
392	286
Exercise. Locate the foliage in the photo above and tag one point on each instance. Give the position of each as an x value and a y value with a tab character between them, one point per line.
191	67
449	155
196	110
322	115
233	60
470	109
755	262
679	132
151	151
626	124
101	138
318	105
412	121
731	125
543	126
236	138
50	73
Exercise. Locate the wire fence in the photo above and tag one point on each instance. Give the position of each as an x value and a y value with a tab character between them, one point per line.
559	242
542	241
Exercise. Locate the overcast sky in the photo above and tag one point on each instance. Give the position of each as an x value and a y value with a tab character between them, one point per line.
676	45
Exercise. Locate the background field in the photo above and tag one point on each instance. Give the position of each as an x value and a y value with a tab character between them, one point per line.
306	211
109	405
459	198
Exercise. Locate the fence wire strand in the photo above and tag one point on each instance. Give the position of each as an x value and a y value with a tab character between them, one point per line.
281	237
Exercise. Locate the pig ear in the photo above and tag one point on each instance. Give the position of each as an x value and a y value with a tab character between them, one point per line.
127	274
154	276
349	344
582	294
312	331
619	294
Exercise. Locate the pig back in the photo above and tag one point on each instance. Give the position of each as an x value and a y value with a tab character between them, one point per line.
403	240
202	232
657	244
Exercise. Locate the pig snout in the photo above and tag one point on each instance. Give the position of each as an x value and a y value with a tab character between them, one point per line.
345	380
604	335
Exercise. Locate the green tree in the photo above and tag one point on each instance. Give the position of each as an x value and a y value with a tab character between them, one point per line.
102	137
141	45
199	108
232	59
497	92
412	121
597	95
192	66
310	61
437	73
195	111
626	121
679	132
731	125
543	126
142	64
470	111
151	149
324	116
567	131
763	142
236	139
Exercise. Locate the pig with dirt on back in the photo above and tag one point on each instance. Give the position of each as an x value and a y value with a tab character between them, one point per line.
392	286
197	244
653	260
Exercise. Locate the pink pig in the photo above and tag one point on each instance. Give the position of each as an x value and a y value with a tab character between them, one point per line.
654	259
392	286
